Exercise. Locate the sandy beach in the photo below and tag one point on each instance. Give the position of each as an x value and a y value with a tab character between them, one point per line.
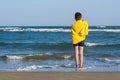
59	76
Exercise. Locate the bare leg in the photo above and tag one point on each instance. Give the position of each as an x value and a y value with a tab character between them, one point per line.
76	55
81	56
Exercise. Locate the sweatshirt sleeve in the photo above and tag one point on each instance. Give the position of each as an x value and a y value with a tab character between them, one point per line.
84	30
86	27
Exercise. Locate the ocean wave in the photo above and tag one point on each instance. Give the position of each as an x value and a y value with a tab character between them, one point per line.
105	30
14	57
37	57
88	44
101	26
93	44
110	60
16	29
38	67
34	67
55	46
20	29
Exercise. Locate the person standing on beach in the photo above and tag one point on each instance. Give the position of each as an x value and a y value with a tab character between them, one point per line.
79	30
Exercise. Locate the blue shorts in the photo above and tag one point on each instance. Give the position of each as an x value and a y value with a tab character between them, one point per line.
79	44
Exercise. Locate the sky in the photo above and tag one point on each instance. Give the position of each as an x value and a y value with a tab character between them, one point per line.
58	12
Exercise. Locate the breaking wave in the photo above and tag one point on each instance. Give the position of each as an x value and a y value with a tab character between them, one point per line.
110	60
34	67
93	44
17	29
88	44
59	29
105	30
37	57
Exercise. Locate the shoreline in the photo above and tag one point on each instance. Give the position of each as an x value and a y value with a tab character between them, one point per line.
59	75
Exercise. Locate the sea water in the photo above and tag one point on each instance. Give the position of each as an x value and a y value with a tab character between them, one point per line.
49	48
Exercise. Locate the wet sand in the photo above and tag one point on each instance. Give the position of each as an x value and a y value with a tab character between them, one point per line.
59	75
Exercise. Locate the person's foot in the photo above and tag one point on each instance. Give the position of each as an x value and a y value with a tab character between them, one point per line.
81	66
77	66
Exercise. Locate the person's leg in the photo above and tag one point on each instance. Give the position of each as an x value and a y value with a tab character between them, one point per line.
76	55
81	56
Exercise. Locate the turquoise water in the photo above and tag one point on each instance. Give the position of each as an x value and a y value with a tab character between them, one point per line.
49	48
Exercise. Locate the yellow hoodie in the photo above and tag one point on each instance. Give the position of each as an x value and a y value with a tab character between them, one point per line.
79	31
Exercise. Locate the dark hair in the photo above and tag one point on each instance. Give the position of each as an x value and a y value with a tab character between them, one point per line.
78	15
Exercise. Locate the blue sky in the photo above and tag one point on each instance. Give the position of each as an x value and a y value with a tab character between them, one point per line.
58	12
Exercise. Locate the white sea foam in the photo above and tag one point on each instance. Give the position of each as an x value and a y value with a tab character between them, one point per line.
67	56
68	65
17	29
14	57
35	29
27	68
85	68
101	26
110	60
105	30
34	67
10	29
93	44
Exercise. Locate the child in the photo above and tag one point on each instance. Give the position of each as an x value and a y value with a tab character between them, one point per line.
79	31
